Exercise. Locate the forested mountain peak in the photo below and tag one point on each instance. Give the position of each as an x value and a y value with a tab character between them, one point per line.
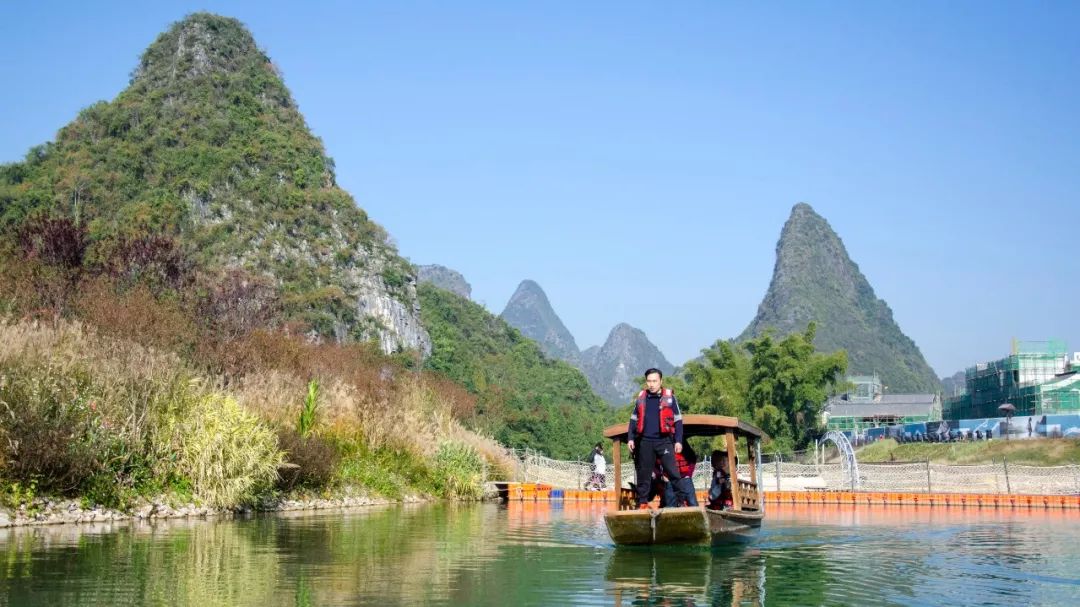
199	45
814	280
206	146
524	397
530	312
625	355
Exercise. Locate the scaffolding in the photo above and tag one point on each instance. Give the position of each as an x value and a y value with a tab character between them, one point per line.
1036	379
857	424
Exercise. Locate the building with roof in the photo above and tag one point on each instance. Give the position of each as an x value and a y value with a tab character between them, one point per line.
1038	378
867	406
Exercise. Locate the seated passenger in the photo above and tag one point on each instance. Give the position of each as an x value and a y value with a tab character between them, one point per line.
687	461
720	488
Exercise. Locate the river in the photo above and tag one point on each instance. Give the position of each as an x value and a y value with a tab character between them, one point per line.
547	554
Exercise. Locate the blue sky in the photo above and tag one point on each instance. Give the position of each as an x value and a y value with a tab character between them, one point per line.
606	150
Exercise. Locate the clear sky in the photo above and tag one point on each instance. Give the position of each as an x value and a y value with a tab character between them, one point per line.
638	159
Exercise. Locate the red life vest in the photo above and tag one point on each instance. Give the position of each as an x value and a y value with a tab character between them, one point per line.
667	412
686	469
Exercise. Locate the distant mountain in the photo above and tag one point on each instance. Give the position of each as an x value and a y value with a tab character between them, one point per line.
955	384
613	367
444	278
206	147
523	397
530	312
814	279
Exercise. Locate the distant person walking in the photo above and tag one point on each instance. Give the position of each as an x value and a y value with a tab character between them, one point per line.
656	433
598	481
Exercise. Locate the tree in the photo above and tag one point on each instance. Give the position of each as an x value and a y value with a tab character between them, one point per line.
781	386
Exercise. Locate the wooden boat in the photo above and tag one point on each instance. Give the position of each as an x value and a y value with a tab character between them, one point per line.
628	526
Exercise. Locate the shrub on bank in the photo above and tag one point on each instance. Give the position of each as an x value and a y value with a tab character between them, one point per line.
316	459
458	472
109	420
226	453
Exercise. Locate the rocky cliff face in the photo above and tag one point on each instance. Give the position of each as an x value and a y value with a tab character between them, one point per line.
444	278
206	145
530	312
814	279
613	367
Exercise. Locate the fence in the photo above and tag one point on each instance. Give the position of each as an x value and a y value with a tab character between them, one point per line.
777	475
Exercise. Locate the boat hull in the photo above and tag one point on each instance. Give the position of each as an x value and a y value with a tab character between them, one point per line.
663	526
680	526
727	526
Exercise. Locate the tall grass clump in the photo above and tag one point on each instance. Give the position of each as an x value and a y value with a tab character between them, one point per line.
226	454
458	472
306	422
109	420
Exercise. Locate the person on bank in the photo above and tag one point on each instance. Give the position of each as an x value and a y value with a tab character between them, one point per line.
656	434
599	468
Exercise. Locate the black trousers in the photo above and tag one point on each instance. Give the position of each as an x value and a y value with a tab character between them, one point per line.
647	451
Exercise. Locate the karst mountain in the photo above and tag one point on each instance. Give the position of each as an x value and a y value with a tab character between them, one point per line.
207	146
814	279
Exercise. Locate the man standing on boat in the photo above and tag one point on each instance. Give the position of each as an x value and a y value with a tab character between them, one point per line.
656	434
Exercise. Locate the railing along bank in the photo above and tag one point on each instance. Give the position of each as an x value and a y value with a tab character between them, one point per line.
783	476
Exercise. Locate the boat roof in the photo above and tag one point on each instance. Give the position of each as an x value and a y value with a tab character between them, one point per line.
697	425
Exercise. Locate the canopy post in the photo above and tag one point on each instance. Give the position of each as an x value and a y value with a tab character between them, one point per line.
753	472
733	470
616	458
761	478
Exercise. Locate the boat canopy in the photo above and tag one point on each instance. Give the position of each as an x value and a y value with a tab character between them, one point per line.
698	425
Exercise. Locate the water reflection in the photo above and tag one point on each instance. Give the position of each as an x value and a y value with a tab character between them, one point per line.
686	576
547	554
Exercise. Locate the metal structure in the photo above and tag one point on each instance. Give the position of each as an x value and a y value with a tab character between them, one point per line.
1037	379
847	455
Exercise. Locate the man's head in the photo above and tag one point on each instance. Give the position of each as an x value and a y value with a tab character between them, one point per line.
719	460
654	379
598	447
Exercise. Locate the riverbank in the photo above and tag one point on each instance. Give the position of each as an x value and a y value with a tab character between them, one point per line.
99	428
1035	452
44	511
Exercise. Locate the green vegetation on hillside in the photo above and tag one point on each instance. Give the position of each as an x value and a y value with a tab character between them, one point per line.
815	280
778	385
523	398
1042	452
207	146
165	379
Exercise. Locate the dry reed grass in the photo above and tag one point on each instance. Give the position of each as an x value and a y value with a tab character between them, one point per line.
126	330
165	417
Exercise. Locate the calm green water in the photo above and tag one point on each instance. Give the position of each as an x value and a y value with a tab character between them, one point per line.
540	555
